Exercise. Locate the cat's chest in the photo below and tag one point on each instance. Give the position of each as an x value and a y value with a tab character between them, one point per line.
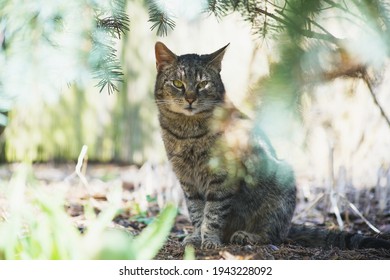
190	151
190	157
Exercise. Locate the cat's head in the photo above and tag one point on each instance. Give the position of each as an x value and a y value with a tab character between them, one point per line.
188	84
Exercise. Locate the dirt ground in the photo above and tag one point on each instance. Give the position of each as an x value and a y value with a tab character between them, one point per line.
147	189
174	251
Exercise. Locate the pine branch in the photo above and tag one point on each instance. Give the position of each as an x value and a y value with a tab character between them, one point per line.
234	4
220	8
342	8
114	25
105	64
160	19
384	14
262	25
110	25
115	20
305	32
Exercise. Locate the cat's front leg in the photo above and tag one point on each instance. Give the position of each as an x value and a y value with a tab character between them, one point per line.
195	205
194	239
217	210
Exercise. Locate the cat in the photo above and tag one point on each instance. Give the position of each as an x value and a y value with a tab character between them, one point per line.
236	189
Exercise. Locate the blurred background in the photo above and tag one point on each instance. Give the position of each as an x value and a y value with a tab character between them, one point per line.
313	74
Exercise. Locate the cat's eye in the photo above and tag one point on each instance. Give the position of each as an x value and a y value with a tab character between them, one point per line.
177	83
202	84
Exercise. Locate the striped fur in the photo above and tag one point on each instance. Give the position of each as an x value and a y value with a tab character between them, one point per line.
236	189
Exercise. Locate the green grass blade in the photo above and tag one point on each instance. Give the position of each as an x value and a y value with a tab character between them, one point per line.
153	237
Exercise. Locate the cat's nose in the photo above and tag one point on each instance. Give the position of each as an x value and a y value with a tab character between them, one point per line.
190	99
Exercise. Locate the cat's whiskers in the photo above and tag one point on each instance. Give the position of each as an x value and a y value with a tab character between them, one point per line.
162	102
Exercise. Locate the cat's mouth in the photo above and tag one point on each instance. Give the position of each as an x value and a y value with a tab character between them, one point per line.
190	110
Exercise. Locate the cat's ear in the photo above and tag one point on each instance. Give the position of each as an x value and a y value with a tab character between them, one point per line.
215	59
164	56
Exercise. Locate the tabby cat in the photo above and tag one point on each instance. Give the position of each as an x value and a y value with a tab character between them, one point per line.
236	189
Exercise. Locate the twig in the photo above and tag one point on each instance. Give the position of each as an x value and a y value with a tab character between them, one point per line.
79	165
354	208
333	201
333	193
350	204
78	171
352	71
311	206
304	32
368	82
344	9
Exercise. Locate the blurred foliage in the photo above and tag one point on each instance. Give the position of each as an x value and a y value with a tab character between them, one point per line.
53	118
34	225
78	36
60	46
318	47
303	32
110	24
53	52
189	253
45	46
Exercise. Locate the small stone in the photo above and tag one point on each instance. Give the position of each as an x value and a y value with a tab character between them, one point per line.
248	247
273	247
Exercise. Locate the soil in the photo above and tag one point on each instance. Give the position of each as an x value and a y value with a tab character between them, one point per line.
147	189
173	250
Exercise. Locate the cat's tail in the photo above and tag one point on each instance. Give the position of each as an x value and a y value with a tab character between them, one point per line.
316	237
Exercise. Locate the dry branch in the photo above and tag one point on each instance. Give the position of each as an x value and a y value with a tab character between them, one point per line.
371	88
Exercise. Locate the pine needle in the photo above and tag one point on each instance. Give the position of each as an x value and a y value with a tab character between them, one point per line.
110	25
160	18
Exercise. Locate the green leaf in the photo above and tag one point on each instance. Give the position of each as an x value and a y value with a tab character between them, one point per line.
153	237
189	253
116	245
150	198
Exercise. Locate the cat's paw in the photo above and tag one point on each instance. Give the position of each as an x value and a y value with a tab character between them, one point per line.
192	239
211	243
240	238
